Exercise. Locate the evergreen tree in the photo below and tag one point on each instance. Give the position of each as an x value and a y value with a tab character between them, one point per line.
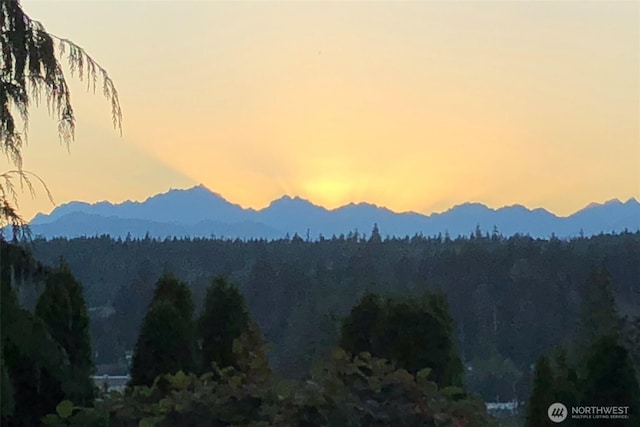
166	343
28	349
611	379
413	334
169	288
62	307
375	235
419	334
223	320
360	329
541	395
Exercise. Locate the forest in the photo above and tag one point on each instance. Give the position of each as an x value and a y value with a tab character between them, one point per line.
488	316
348	330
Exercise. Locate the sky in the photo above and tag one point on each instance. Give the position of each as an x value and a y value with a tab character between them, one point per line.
415	106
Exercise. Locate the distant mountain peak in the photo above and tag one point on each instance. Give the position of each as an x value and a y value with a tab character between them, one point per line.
516	206
612	202
199	191
202	212
468	207
288	202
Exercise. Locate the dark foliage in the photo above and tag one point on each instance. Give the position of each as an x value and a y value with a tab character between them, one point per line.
166	343
512	299
414	334
62	308
223	320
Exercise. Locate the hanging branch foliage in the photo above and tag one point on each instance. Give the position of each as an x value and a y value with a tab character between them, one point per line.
29	71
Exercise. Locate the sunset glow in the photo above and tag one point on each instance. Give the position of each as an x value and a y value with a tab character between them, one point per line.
409	105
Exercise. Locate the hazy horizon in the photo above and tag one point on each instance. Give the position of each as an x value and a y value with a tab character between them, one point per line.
415	106
356	202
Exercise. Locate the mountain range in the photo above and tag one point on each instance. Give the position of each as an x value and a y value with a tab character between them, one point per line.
199	212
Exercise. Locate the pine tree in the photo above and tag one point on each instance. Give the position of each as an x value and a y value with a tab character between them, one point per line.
169	288
375	235
611	379
28	349
166	343
541	395
62	307
224	319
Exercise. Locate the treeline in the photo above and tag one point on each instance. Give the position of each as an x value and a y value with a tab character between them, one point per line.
209	367
511	299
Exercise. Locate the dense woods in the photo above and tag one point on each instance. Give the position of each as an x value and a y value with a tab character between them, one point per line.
511	299
346	330
214	370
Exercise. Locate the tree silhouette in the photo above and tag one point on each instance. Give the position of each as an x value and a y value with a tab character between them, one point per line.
166	343
360	329
223	320
611	379
28	348
31	70
541	395
412	334
62	308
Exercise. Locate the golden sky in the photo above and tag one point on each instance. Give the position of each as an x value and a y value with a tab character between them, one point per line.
409	105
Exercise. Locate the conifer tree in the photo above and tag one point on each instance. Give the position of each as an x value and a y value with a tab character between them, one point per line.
414	334
169	288
62	307
28	349
360	328
166	343
541	395
611	378
375	235
224	319
419	334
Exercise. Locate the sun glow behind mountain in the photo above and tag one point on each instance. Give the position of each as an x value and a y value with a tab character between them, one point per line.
410	105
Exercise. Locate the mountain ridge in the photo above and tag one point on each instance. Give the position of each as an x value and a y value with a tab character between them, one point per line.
198	211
